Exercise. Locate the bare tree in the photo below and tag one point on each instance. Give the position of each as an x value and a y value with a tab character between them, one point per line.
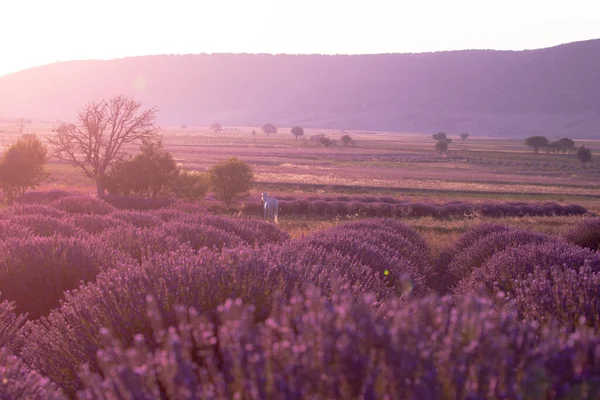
96	142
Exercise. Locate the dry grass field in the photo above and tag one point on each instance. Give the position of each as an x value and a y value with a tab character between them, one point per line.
403	166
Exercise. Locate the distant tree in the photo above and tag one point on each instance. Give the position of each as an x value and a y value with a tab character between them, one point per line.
22	166
104	128
566	145
347	140
231	178
464	136
440	136
269	129
216	128
441	146
584	154
325	141
190	185
184	127
537	142
253	133
297	131
442	142
146	174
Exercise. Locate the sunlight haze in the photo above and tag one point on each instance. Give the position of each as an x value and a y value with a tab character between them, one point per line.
38	32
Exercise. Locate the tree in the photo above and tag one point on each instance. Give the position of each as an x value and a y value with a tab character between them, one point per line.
230	179
22	166
347	140
269	129
147	174
440	136
155	168
537	142
325	141
566	144
184	127
442	142
464	136
216	128
441	146
297	131
121	178
584	154
190	185
104	127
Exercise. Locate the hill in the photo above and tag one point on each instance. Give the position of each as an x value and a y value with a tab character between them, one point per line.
552	91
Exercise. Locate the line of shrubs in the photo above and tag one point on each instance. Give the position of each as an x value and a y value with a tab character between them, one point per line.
377	208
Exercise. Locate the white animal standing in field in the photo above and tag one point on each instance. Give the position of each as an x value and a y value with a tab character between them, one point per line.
270	207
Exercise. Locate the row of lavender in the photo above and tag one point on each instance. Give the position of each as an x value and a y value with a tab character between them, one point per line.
389	207
332	206
544	277
282	346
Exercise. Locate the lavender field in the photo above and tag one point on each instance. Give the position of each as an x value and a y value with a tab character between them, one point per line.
98	302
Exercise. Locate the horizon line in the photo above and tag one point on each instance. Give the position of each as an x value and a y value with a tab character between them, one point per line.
299	54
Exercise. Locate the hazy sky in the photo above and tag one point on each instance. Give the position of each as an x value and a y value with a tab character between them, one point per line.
37	32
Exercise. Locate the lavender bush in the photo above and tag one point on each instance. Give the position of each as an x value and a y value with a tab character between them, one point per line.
19	382
419	257
470	259
12	229
384	261
561	293
41	225
35	272
251	231
39	197
393	226
10	324
138	243
83	205
424	210
69	336
95	224
188	207
139	219
328	270
585	234
440	278
198	235
515	263
34	209
316	347
168	215
258	232
137	203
